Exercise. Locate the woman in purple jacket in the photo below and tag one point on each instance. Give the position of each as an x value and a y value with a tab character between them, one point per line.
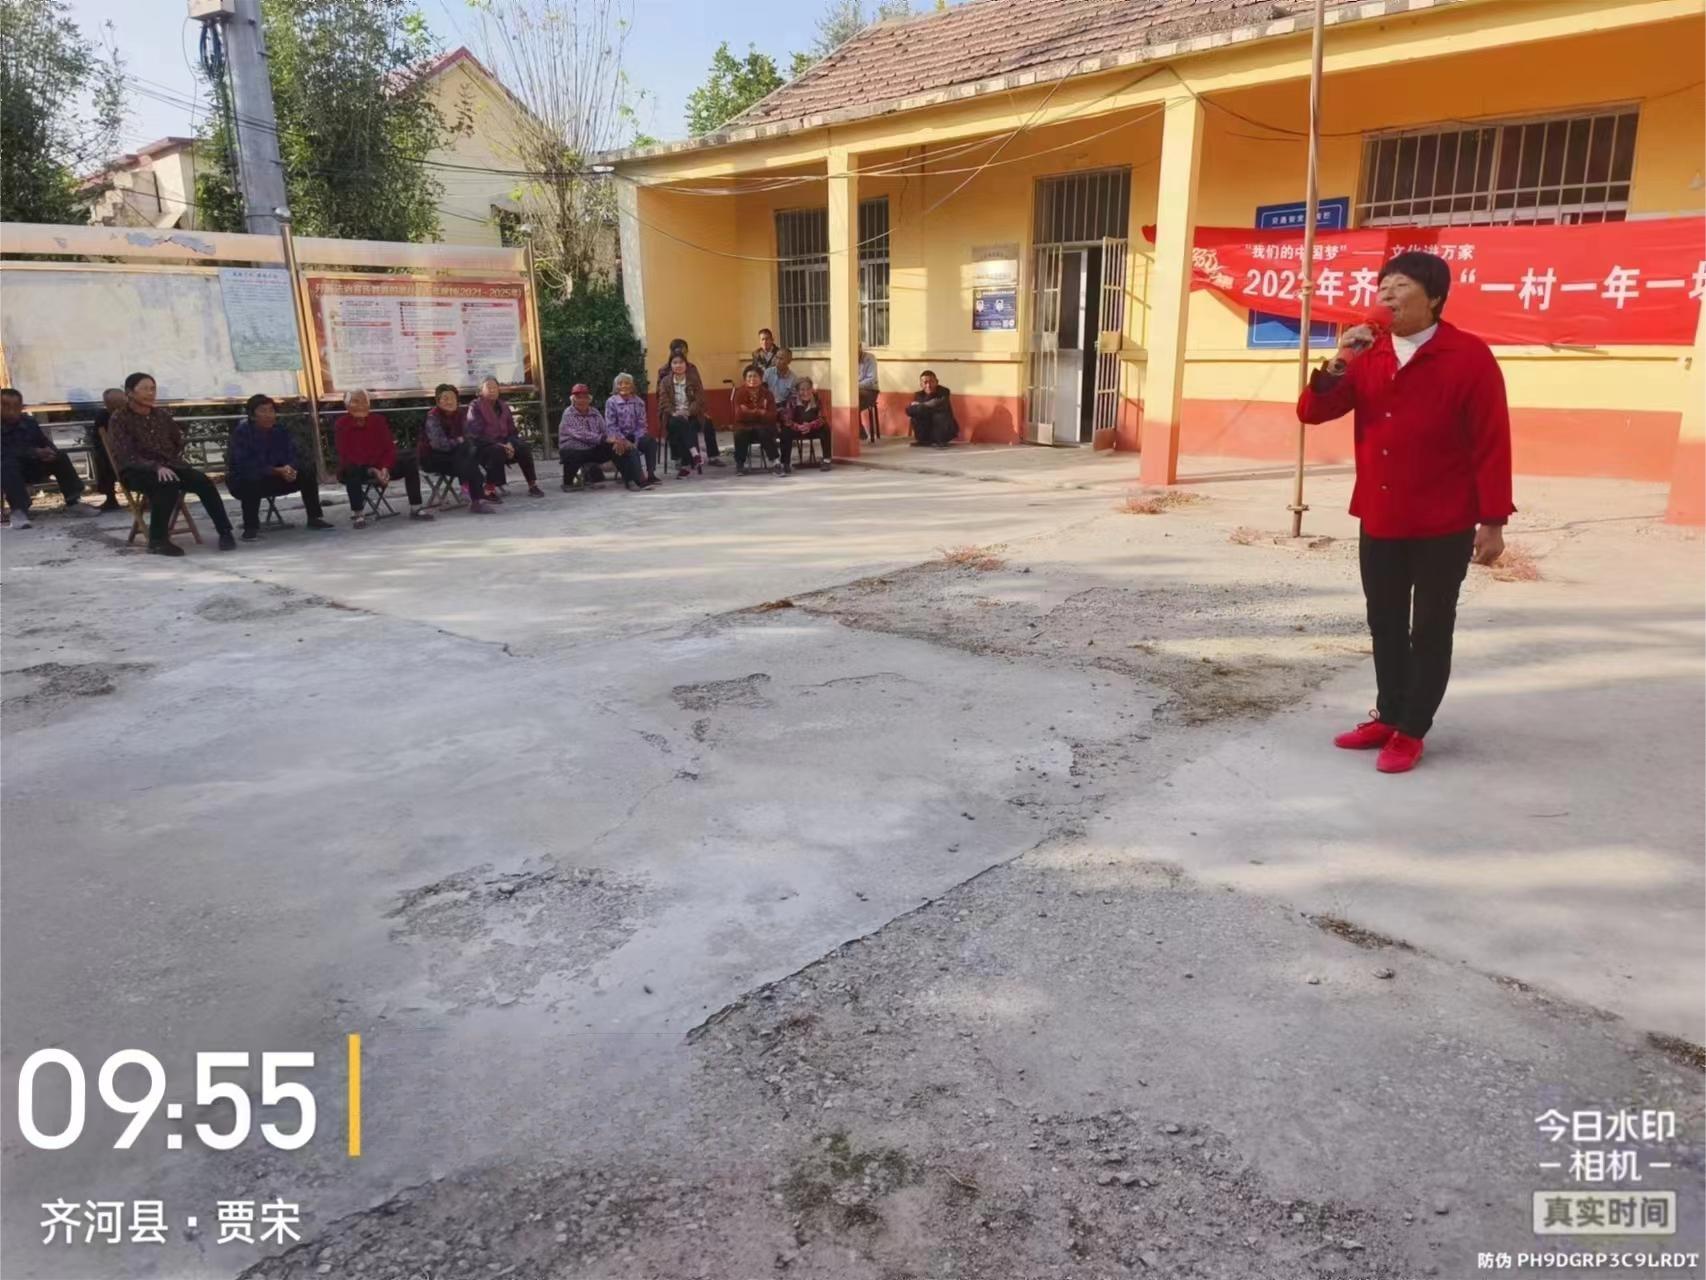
625	413
490	419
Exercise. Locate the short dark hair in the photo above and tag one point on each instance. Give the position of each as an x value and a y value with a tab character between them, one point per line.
750	369
442	387
130	383
928	373
1426	269
257	400
764	333
785	351
13	392
677	344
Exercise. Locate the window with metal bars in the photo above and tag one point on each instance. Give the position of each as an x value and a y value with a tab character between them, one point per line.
1562	169
802	277
874	272
1083	208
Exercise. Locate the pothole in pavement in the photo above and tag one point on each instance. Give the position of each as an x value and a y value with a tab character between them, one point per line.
276	602
1220	650
50	689
494	938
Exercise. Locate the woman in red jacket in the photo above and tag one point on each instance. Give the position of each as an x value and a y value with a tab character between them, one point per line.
755	419
1433	488
367	452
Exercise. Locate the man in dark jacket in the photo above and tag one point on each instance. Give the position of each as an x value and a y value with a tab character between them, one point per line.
262	464
28	457
106	479
1433	488
932	413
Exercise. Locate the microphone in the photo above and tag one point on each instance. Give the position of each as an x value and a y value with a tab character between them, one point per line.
1379	318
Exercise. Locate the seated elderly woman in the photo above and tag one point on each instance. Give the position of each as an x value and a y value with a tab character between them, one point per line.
262	462
490	418
625	414
801	418
445	449
585	439
755	419
368	454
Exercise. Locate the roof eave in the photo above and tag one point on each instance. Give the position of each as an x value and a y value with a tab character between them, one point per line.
1371	10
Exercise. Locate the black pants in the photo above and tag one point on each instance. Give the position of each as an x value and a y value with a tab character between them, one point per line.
465	463
1411	586
163	496
106	479
767	441
523	459
355	480
931	426
628	465
250	490
791	435
18	474
683	436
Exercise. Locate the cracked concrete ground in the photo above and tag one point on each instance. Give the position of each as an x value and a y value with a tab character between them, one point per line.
728	882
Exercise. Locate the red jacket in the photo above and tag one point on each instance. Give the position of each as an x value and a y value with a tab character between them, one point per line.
367	443
1433	439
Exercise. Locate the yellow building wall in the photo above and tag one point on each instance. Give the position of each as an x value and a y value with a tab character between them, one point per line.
936	222
465	207
1244	166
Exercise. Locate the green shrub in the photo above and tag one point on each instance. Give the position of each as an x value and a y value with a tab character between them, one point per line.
588	338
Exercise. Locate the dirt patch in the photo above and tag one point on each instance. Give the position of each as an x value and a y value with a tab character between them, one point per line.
1677	1049
746	691
274	602
544	1224
1216	651
1517	564
497	938
50	689
1356	935
982	559
1156	502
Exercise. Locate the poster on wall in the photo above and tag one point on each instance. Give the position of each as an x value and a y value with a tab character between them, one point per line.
1609	284
399	333
1268	331
994	309
260	318
995	266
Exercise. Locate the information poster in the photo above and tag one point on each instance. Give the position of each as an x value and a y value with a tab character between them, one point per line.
994	309
260	318
398	333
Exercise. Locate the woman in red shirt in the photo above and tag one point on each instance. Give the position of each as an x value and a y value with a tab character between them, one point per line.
755	419
1433	488
367	452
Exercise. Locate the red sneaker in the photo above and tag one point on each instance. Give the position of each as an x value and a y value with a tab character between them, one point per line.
1370	733
1400	755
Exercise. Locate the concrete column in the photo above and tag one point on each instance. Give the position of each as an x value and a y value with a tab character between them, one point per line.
843	187
1688	475
1170	290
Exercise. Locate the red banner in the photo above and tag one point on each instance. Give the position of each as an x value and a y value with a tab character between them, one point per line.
1602	285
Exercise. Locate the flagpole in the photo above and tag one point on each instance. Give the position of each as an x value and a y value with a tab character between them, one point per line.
1307	288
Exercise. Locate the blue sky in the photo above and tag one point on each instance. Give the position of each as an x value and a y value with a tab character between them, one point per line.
668	55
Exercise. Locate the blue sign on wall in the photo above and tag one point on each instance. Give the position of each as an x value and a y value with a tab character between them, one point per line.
994	309
1281	331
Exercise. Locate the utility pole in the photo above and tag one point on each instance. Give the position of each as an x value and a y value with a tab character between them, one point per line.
254	127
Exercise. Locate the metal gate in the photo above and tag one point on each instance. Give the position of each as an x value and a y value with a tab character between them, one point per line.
1111	339
1043	364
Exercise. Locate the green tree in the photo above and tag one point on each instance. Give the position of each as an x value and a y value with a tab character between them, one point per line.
732	86
844	19
356	122
588	337
46	65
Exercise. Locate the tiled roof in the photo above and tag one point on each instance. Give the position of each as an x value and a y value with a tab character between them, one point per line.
893	60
